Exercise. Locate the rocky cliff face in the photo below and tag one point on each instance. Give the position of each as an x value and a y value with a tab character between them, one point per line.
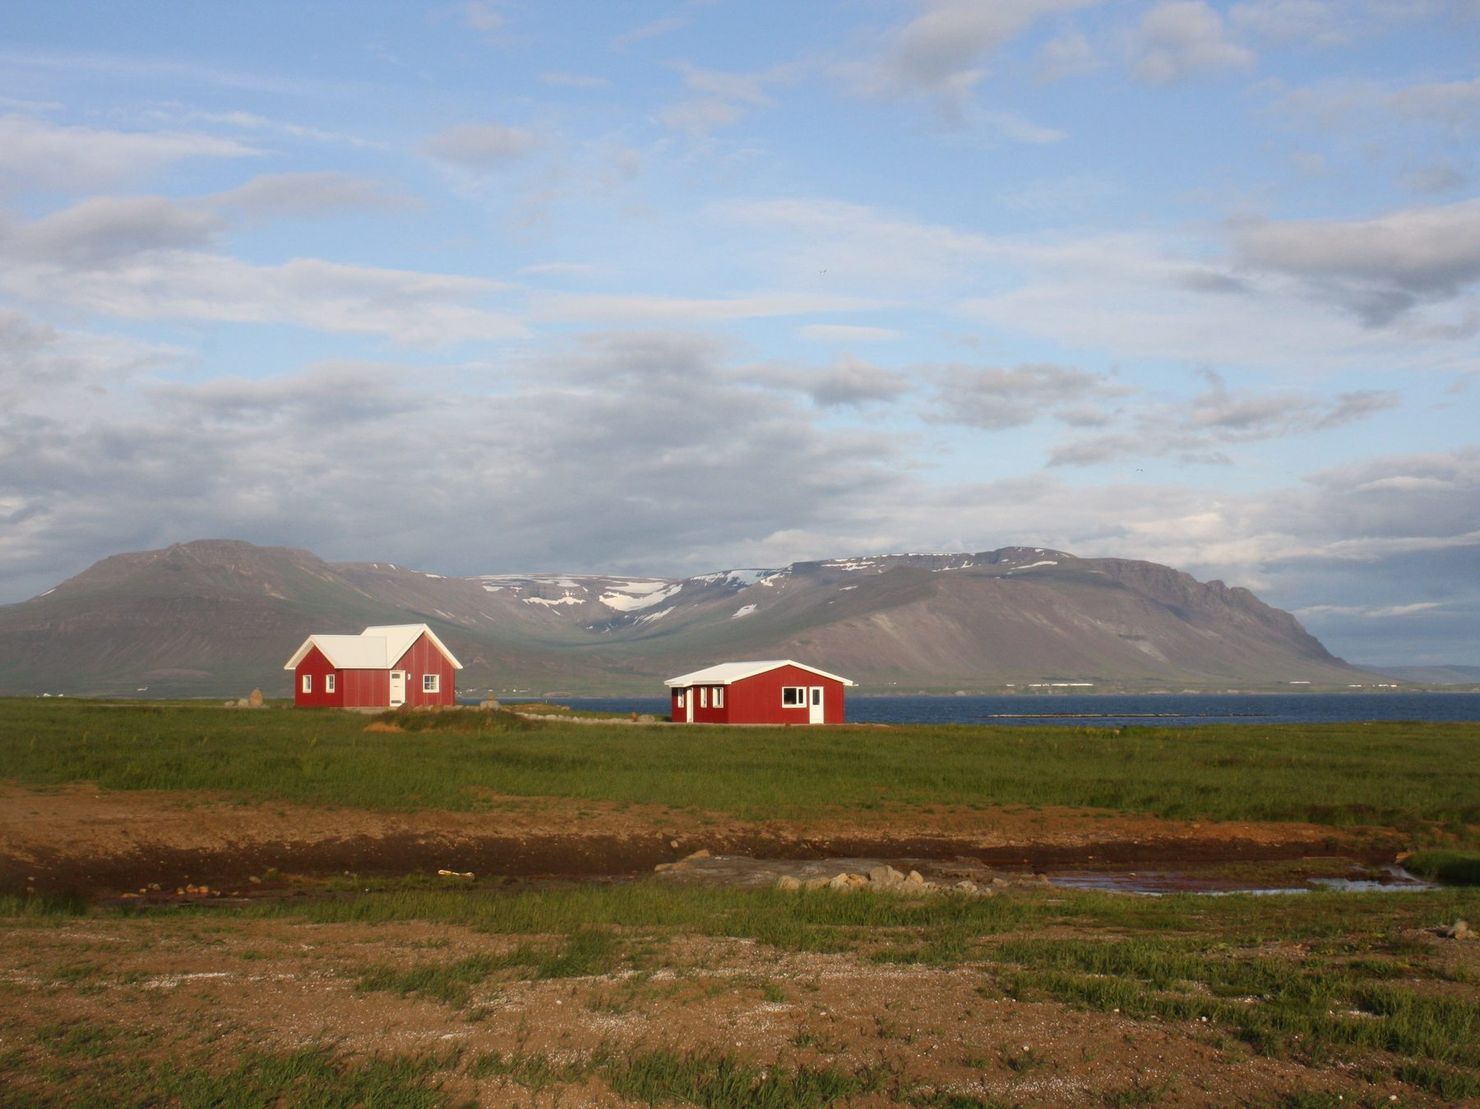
216	617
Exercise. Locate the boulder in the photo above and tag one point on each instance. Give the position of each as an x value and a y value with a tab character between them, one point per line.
254	699
787	882
1459	930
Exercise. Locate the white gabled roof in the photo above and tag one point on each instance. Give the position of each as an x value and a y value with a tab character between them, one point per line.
375	648
726	672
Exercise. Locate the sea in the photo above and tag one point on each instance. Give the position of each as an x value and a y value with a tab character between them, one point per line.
1179	710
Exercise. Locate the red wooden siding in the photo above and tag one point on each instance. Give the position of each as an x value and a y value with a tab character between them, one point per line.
359	689
757	700
424	658
317	667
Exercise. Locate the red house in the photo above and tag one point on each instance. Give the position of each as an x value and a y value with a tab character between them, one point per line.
775	692
381	668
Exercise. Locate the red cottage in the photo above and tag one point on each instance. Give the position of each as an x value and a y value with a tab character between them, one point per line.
776	692
382	667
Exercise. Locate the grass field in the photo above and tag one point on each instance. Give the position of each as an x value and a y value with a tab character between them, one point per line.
418	990
1421	778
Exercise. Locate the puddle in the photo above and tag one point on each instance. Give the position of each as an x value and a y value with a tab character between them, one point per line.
1286	876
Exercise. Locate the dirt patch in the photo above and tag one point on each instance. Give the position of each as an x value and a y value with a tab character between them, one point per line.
168	989
100	843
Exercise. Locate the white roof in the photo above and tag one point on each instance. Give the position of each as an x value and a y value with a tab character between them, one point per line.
376	648
726	672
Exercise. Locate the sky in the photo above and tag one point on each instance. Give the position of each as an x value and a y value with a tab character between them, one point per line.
670	287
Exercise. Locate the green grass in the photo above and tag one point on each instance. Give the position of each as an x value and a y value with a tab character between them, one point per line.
584	952
1423	778
1456	868
103	1069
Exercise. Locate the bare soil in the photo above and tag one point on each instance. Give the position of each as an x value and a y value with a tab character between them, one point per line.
78	839
161	987
173	987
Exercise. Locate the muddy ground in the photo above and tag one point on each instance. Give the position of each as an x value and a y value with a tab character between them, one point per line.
87	995
77	839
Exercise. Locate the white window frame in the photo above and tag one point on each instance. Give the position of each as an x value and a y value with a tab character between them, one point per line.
431	683
719	696
306	683
798	697
703	696
328	683
680	698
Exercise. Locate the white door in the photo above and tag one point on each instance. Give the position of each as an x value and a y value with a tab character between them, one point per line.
814	706
398	688
688	701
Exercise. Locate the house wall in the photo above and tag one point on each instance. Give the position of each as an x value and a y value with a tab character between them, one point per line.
705	711
366	689
317	667
424	658
757	700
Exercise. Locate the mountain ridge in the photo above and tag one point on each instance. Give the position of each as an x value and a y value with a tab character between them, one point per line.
206	618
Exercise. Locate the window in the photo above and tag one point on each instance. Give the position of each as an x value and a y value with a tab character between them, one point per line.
678	698
793	696
431	683
328	683
817	695
703	696
719	696
307	684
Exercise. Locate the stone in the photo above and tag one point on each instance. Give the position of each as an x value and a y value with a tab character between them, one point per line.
840	883
884	876
661	867
489	703
787	882
815	884
254	699
1459	930
966	885
915	878
702	853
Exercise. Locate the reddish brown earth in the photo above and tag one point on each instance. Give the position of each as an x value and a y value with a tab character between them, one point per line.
98	843
165	989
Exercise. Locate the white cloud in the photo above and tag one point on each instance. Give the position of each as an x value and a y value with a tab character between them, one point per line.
943	52
1378	267
77	159
1068	55
848	333
480	146
308	194
619	307
1181	39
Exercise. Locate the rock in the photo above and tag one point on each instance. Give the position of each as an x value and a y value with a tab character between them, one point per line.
456	874
489	703
647	718
885	876
254	699
966	885
841	883
787	882
815	884
1459	930
256	881
702	853
661	867
915	878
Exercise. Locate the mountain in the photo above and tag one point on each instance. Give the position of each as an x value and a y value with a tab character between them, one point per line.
1432	675
217	617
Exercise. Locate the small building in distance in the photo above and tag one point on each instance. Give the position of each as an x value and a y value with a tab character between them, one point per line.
383	667
778	691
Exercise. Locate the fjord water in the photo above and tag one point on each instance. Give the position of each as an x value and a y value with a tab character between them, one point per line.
1123	710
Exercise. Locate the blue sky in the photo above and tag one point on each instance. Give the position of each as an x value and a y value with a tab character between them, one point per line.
671	287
